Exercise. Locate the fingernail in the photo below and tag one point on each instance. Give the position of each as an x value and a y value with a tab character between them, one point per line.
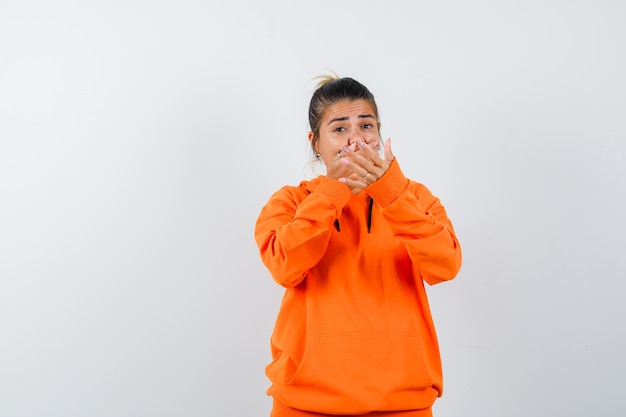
345	161
362	144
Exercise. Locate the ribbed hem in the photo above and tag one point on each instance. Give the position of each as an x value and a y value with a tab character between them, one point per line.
281	410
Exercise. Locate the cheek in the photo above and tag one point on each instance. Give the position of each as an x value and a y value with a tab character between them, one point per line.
372	136
329	144
374	132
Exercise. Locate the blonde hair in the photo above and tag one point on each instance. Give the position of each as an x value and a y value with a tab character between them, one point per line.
325	79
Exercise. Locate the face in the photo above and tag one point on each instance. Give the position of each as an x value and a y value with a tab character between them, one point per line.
344	124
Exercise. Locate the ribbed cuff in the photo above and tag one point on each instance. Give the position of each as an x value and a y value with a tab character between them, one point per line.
339	193
389	187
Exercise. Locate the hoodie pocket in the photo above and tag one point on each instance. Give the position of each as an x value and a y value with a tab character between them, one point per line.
363	365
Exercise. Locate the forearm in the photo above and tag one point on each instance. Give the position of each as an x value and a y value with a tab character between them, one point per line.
293	234
417	218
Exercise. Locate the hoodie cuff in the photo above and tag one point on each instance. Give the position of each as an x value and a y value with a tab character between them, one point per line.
388	187
339	193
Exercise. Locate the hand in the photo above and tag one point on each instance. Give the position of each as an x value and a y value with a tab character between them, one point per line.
365	166
337	168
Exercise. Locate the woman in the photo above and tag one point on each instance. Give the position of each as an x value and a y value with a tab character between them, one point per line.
354	335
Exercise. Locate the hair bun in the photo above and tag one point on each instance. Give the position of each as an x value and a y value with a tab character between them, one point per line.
326	78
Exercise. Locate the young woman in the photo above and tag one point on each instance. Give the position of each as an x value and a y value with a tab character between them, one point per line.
354	335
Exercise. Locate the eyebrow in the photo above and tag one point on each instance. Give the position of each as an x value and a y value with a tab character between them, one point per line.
360	116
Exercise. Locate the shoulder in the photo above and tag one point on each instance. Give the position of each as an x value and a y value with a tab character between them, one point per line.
296	193
418	188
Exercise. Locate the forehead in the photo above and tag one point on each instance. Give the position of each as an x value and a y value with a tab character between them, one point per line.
349	109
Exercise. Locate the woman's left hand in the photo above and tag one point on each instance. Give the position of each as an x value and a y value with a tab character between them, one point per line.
366	165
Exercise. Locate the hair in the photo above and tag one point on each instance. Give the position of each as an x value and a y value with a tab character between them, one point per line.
330	90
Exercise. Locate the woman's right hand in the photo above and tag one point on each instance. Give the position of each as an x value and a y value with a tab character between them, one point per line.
337	168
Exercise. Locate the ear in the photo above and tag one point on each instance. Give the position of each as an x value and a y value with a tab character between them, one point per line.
311	135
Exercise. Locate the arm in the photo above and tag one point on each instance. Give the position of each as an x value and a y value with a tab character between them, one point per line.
418	218
294	228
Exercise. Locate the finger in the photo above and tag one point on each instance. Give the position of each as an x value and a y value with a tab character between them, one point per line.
368	160
377	156
387	150
355	185
358	164
362	177
343	151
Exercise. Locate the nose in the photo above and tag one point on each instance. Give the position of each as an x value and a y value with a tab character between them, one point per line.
355	139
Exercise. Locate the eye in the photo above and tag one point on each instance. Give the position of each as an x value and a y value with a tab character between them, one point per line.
368	126
339	129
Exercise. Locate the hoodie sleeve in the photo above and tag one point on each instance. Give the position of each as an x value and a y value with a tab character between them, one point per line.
418	218
294	228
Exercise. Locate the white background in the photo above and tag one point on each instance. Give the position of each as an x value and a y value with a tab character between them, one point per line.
140	139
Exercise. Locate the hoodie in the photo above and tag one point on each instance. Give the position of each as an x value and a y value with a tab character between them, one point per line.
354	333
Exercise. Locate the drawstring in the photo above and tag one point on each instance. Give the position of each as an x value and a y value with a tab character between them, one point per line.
369	217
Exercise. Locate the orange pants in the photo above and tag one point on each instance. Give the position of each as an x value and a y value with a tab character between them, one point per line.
280	410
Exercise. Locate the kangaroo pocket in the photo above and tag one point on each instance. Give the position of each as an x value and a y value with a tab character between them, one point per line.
369	369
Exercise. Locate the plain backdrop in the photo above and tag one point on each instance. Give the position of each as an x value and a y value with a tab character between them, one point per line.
140	139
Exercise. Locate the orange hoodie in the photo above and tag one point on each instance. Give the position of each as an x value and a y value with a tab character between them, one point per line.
354	333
